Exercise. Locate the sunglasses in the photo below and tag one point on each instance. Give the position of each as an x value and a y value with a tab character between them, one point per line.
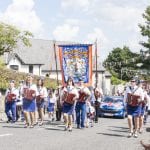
12	81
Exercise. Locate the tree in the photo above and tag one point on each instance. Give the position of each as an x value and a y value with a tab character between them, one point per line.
121	63
10	36
145	31
145	28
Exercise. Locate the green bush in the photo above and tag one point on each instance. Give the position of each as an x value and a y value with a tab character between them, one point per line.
6	75
116	81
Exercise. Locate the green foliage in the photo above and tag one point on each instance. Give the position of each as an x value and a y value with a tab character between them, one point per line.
6	75
116	81
145	31
120	60
145	28
122	63
2	64
10	35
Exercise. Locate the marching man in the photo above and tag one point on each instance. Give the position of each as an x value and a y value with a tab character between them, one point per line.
11	96
84	95
133	96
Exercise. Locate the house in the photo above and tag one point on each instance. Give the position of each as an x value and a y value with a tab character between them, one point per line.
39	59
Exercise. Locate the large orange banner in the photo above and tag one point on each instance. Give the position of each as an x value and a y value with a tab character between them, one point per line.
76	62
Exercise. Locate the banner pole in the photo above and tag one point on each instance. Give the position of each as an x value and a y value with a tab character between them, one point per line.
96	74
56	61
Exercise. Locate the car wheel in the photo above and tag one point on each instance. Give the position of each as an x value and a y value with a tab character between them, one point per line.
100	115
124	115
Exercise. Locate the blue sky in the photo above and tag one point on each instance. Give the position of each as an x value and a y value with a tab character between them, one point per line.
113	22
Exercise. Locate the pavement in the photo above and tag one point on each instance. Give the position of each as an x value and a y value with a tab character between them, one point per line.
107	134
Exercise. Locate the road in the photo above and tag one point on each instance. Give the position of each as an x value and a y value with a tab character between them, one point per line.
108	134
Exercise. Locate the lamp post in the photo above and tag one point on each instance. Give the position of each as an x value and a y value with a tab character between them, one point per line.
121	73
145	54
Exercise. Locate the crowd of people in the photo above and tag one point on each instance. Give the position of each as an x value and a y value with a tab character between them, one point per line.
70	103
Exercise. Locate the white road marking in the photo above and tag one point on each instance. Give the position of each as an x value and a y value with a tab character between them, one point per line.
8	134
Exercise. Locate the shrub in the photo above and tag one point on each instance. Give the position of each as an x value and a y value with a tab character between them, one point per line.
6	75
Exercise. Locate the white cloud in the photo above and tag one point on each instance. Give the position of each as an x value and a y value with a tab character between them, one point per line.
119	16
114	23
1	15
66	32
119	19
75	4
22	14
72	21
98	34
134	42
102	41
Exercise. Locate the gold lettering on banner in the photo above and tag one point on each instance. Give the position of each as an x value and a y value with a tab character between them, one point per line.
75	54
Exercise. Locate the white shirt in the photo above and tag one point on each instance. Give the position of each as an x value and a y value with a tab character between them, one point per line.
90	109
12	91
71	89
136	90
42	91
52	99
147	98
85	90
31	87
20	102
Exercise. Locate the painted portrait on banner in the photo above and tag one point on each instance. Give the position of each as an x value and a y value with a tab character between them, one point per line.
76	62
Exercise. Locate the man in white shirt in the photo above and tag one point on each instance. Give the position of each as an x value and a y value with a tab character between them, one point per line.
11	96
133	95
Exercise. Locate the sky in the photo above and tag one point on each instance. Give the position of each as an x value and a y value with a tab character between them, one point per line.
114	23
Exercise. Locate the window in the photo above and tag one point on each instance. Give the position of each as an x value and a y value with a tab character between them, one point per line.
14	67
30	68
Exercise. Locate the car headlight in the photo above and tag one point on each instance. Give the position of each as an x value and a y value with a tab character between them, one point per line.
101	106
120	108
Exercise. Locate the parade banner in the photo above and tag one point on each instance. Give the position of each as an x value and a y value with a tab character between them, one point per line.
76	62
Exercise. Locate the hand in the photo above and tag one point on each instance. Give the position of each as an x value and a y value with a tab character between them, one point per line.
74	99
33	95
14	97
139	100
41	96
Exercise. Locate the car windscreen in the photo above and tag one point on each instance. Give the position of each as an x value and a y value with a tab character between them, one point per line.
112	100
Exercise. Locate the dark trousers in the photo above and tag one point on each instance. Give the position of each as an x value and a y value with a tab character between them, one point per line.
146	115
19	112
58	114
10	110
80	113
96	114
97	104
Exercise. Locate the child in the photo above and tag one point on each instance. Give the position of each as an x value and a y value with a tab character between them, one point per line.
51	104
90	114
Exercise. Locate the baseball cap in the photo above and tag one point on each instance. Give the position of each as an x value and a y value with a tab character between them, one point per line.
133	80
